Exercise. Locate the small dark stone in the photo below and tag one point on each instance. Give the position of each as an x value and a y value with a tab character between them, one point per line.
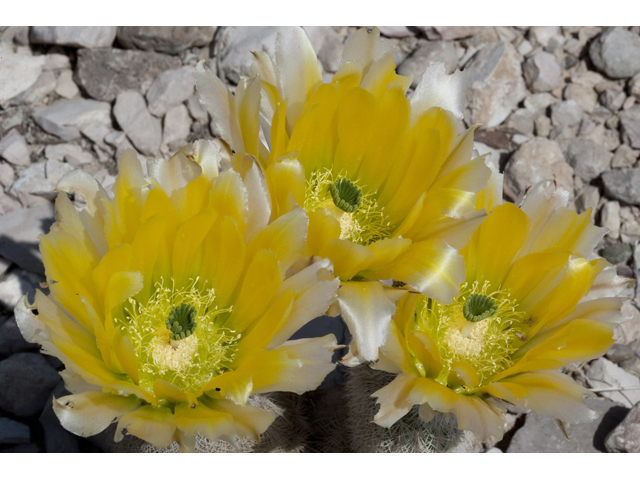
617	253
26	381
623	184
619	353
12	341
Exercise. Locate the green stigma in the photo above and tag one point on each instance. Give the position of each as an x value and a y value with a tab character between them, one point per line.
181	321
478	307
346	195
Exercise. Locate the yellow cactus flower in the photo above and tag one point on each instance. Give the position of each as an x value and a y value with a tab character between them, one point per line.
390	187
530	304
172	302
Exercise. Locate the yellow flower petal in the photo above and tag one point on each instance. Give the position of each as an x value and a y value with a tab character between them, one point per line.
393	400
151	424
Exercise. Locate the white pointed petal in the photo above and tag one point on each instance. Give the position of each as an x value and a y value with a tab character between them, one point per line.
89	413
393	400
258	200
365	48
367	312
220	104
79	181
300	72
437	89
607	284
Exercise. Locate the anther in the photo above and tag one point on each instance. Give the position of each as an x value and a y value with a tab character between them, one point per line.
181	321
478	307
346	195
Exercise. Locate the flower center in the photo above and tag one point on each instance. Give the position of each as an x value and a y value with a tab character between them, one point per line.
181	321
478	307
178	336
346	195
361	219
481	327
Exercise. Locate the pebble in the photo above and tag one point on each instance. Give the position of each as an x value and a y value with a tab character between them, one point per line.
623	184
20	230
583	94
520	121
616	53
172	40
610	219
618	353
537	160
542	72
65	117
588	159
634	86
11	340
56	61
12	432
35	184
625	438
169	89
26	381
105	72
625	157
617	253
143	129
588	198
612	99
606	374
630	126
198	113
17	74
538	102
13	149
426	54
16	284
44	85
83	37
542	126
66	87
567	113
541	433
177	126
542	35
236	43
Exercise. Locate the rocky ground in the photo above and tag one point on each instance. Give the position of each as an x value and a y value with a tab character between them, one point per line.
559	102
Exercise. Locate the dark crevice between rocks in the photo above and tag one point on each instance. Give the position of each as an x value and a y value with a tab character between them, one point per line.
508	436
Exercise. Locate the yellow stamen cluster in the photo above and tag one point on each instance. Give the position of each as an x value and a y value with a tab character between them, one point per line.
486	344
364	225
189	362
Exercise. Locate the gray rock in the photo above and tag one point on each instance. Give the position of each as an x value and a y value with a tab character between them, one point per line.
495	84
630	126
537	160
56	61
13	432
542	35
625	438
632	365
177	126
588	159
567	113
103	73
612	99
17	74
65	117
625	157
19	232
520	121
616	52
198	113
144	130
618	353
35	185
57	439
66	87
87	37
397	32
605	374
634	86
7	175
629	224
16	284
583	94
26	381
610	219
328	42
8	203
13	149
169	89
542	125
454	33
96	132
426	54
623	184
589	197
170	40
617	253
541	433
236	43
542	72
11	340
538	102
45	84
